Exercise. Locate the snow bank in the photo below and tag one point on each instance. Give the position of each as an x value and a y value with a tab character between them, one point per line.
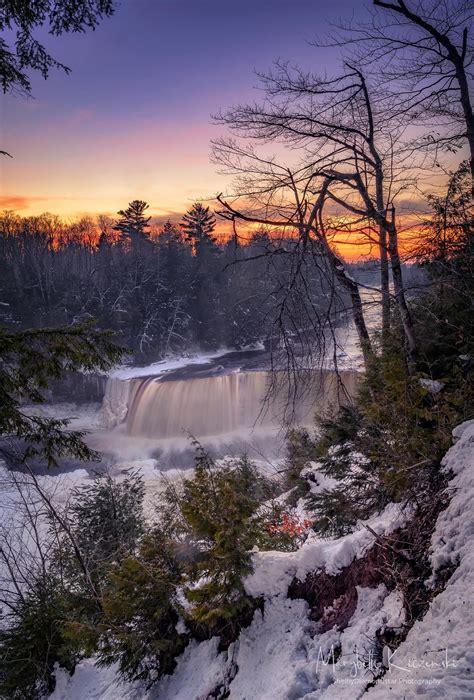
281	655
92	683
438	653
274	571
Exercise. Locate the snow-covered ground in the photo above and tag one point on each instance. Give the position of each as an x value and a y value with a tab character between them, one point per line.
281	655
167	365
438	653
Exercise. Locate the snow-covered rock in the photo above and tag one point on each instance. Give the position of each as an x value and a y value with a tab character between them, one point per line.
274	571
432	385
438	652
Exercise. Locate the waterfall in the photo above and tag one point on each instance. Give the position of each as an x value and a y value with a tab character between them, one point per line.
118	395
211	406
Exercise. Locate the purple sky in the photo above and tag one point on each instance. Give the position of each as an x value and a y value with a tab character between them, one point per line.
132	120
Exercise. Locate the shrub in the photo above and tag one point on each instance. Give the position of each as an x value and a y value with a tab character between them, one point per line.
385	449
138	626
34	641
300	452
283	531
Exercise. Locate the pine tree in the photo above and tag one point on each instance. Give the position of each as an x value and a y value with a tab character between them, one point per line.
25	52
170	234
106	518
198	226
30	359
133	223
138	628
218	505
33	641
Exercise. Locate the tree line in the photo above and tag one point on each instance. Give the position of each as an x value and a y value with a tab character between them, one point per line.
162	290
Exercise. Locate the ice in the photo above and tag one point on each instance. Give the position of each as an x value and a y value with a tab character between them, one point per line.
172	363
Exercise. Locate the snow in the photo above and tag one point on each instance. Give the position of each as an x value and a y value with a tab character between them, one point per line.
433	386
199	671
348	677
274	571
167	365
444	638
272	654
90	682
282	656
80	416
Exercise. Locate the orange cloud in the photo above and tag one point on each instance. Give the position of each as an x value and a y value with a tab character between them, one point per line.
19	202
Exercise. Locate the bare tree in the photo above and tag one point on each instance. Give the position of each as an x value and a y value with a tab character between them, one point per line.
346	144
292	203
422	54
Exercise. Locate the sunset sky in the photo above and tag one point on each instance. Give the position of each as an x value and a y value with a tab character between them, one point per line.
132	120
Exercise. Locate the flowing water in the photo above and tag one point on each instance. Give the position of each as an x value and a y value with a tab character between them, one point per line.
161	409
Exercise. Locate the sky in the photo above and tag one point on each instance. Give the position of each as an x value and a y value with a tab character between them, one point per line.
133	119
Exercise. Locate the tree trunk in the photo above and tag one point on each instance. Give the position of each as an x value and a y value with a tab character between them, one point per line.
357	309
407	323
350	285
384	270
468	115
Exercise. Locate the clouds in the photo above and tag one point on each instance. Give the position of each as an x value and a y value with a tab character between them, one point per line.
132	119
19	203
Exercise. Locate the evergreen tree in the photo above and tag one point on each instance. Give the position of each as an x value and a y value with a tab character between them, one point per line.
387	448
138	627
218	505
23	17
133	223
198	225
447	255
28	361
106	518
170	234
32	641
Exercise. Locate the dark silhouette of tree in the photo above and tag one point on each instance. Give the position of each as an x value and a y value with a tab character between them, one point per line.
158	296
133	223
445	40
422	54
348	159
30	360
170	234
22	17
198	225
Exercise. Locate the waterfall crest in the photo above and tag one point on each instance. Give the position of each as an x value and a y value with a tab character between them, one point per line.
217	405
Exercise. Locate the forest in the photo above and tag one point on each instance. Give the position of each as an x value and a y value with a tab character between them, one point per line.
162	289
